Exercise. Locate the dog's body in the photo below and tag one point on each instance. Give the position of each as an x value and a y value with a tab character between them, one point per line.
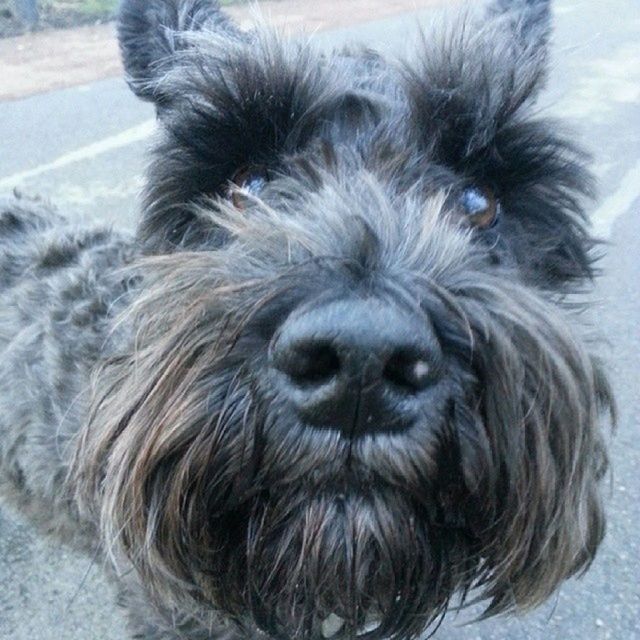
334	381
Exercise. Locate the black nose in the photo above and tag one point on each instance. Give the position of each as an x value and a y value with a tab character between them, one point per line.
359	366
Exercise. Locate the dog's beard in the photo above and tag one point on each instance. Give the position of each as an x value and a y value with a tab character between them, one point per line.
341	537
320	540
222	506
353	562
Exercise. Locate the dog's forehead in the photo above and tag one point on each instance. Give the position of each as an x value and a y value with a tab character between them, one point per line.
294	80
271	96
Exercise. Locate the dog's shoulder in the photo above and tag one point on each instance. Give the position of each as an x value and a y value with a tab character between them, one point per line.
22	220
58	280
21	216
37	243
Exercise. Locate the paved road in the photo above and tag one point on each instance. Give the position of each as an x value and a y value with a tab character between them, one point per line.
84	148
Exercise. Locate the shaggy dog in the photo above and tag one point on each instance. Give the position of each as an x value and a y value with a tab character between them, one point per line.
337	379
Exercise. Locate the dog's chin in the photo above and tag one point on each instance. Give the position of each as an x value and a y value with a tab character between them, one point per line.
360	562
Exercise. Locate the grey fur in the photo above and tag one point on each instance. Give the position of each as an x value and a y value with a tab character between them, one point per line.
139	417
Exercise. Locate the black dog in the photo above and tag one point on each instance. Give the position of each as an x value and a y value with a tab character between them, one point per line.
335	380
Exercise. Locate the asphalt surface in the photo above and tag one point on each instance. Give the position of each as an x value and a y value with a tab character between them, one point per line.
84	149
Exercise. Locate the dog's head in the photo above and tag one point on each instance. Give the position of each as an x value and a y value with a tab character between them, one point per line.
354	386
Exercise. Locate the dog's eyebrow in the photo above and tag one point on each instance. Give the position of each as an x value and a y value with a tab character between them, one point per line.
238	109
232	109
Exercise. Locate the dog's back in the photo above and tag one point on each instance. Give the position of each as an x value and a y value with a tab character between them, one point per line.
58	287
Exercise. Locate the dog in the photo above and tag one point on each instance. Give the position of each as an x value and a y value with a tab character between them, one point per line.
338	380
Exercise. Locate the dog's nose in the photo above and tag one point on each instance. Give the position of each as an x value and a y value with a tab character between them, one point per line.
360	366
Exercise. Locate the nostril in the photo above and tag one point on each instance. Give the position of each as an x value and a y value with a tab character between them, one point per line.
358	366
311	363
409	370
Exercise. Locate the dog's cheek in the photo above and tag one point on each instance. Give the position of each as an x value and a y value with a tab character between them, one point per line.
475	486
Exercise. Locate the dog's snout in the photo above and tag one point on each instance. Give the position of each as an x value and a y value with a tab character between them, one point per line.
359	366
314	362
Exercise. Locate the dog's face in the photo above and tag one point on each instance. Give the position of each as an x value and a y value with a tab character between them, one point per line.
353	387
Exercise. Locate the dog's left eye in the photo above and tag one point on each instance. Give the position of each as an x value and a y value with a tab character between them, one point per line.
249	180
481	207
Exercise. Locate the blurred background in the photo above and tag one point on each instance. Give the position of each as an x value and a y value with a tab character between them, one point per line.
20	16
71	132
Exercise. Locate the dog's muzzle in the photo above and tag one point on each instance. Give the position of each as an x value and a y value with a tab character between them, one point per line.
360	366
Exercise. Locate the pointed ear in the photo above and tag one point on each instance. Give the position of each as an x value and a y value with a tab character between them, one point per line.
528	25
531	18
153	32
477	75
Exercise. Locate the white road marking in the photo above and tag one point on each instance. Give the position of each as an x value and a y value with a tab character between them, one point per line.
618	203
124	138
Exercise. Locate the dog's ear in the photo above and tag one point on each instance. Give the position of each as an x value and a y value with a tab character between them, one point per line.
152	33
527	24
530	19
477	75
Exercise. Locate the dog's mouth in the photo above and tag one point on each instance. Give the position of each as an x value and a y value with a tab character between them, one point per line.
318	460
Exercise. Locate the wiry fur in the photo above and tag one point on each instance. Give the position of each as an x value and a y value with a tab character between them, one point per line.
221	511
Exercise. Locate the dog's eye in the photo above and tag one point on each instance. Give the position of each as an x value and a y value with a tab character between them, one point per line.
249	180
480	206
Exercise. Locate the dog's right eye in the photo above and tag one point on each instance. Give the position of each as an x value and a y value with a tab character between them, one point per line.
481	207
249	180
